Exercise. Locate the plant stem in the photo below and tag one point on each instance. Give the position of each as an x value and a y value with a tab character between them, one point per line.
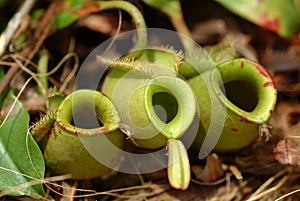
43	69
135	14
180	26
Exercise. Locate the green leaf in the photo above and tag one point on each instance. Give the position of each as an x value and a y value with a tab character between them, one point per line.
170	7
67	16
179	173
77	3
37	13
21	160
64	19
281	17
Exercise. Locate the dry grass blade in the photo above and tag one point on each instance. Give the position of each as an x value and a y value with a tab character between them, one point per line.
133	192
263	191
288	194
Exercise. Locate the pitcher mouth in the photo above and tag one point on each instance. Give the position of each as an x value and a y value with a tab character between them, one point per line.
177	99
101	112
248	73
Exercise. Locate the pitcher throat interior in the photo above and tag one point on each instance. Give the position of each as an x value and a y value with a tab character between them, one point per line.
242	94
165	106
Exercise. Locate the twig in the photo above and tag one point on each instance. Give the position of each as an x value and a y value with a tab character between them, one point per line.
14	24
69	192
32	45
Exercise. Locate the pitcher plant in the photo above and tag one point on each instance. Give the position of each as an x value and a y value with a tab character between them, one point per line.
84	119
156	106
247	93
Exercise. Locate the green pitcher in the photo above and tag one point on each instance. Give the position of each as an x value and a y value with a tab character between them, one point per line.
85	121
153	109
156	107
154	104
236	99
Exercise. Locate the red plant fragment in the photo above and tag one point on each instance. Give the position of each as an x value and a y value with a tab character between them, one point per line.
262	70
287	153
269	23
84	10
244	119
267	84
234	129
242	64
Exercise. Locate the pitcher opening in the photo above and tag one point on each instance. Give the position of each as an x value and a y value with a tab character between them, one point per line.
87	112
250	90
242	94
165	106
86	117
171	105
